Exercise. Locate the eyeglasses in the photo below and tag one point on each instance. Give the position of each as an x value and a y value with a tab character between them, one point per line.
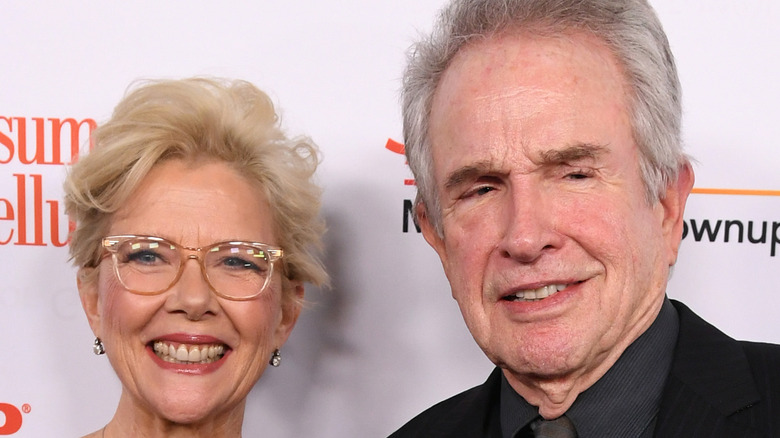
147	265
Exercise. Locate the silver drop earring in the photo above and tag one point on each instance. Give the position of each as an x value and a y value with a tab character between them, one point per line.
276	358
97	347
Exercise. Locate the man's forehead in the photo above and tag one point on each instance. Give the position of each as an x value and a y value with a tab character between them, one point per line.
554	99
481	63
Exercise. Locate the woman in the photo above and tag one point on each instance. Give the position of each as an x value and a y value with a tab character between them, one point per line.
196	226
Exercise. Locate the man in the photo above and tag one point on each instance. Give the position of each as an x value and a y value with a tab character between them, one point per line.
544	136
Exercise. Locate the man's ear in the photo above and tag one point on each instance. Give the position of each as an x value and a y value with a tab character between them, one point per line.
429	231
87	283
673	205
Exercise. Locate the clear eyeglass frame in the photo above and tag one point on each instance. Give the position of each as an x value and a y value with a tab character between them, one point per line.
268	253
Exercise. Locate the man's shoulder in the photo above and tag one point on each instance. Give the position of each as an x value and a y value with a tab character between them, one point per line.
729	387
764	362
695	331
702	347
762	351
463	415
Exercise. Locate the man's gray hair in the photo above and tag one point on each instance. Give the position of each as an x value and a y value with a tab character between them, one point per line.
631	30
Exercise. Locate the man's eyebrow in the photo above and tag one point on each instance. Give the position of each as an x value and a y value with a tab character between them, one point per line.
569	154
468	173
577	152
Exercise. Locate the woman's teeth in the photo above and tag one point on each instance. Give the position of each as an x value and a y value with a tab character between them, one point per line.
188	354
536	294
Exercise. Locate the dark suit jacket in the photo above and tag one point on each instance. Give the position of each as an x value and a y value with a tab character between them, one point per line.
718	387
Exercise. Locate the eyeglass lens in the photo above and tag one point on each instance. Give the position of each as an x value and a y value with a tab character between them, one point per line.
152	266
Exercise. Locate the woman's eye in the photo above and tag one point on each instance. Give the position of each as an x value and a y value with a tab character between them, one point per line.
144	257
238	263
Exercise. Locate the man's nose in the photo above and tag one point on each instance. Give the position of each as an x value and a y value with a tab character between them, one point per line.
529	224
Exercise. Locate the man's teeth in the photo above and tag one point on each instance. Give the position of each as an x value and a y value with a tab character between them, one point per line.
201	353
537	294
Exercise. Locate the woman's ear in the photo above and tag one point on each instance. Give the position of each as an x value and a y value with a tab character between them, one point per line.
292	302
87	283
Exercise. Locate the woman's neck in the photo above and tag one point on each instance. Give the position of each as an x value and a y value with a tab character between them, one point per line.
136	420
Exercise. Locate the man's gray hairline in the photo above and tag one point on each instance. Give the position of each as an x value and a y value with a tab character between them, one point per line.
656	176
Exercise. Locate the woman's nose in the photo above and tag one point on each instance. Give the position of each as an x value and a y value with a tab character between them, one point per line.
191	294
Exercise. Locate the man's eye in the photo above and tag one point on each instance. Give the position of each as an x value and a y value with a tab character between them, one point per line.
479	191
580	174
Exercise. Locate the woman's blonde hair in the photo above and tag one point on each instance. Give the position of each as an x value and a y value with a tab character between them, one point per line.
191	120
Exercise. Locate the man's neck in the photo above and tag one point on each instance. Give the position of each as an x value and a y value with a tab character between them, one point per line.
555	394
624	401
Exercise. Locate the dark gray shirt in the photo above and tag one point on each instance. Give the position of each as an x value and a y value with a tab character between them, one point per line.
624	402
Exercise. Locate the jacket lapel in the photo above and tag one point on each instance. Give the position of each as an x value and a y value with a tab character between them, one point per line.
710	383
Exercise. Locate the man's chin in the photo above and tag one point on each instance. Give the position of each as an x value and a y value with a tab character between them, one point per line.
531	368
539	358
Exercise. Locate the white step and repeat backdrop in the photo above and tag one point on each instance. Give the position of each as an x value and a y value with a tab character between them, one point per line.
387	340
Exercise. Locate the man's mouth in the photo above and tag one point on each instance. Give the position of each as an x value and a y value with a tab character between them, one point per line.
188	353
536	294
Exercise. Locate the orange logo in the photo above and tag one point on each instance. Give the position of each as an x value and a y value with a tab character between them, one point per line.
13	418
398	148
408	215
17	129
33	143
394	146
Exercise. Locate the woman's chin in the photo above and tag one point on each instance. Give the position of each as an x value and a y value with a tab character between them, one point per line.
192	414
191	405
190	394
